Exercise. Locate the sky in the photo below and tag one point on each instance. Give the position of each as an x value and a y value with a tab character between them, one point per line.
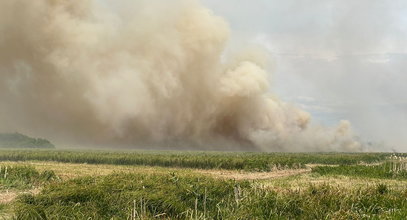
337	59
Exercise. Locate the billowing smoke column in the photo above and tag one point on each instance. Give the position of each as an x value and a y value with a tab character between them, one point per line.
145	73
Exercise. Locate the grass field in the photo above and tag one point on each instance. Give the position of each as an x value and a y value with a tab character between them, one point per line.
199	160
51	184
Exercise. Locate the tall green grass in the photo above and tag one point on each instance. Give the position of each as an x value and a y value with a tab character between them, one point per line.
2	208
387	170
172	196
23	176
200	160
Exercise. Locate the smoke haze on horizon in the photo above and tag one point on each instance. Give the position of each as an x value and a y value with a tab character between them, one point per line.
145	73
337	59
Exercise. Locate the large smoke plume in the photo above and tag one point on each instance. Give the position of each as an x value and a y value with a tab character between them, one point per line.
143	73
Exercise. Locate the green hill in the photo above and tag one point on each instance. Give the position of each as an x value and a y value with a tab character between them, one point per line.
17	140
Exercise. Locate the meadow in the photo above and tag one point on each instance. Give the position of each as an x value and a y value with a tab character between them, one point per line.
55	184
200	160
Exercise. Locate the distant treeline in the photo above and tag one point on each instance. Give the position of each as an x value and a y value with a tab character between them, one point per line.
17	140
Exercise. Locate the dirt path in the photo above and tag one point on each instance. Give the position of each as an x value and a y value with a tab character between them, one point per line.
226	174
70	170
9	195
6	197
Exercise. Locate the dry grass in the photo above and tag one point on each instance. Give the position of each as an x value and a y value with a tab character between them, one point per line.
9	195
72	170
295	177
292	182
307	179
227	174
279	180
